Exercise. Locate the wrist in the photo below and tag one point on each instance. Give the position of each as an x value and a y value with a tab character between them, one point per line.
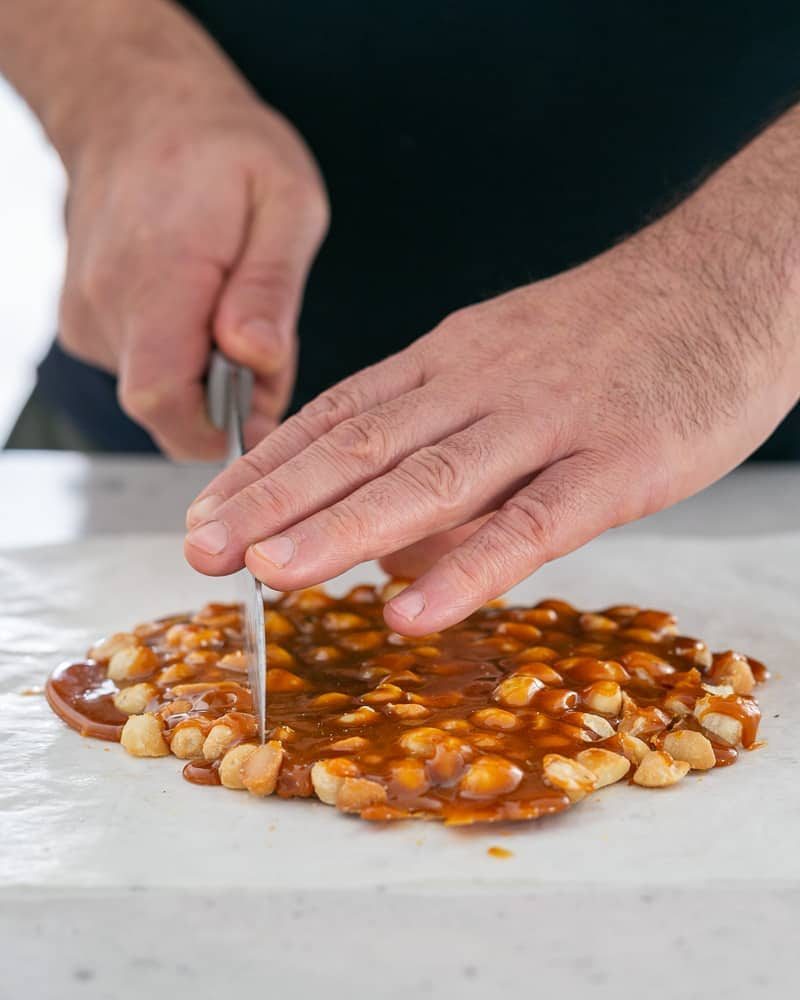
132	70
734	245
715	302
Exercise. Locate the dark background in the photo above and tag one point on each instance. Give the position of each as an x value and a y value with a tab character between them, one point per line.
472	147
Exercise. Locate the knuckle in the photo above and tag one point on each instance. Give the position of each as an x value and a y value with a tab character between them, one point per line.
364	439
438	472
460	328
252	460
329	409
145	397
528	519
272	280
411	365
139	403
468	573
265	499
458	319
312	202
349	522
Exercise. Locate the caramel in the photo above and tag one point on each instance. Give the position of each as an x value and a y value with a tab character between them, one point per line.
457	726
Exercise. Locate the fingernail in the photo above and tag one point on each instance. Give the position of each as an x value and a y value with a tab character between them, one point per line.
211	537
203	509
264	334
278	551
410	604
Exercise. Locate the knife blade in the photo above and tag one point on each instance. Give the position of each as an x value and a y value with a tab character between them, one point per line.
228	391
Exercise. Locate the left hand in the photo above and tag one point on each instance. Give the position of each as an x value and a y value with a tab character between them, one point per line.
552	413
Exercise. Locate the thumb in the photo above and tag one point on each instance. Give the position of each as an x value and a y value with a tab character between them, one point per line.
258	309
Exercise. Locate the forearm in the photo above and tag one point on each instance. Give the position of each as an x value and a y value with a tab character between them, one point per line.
76	61
736	242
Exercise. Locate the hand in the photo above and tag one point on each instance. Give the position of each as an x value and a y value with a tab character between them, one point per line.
194	214
553	413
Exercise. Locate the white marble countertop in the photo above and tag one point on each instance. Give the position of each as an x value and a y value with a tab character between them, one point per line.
685	900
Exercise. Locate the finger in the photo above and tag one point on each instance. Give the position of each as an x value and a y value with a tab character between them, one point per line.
350	455
82	338
167	341
416	559
257	313
257	427
360	392
270	398
267	405
80	332
437	488
564	507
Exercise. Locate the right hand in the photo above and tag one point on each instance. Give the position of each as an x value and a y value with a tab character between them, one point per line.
194	214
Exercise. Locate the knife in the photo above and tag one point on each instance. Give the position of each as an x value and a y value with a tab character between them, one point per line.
228	392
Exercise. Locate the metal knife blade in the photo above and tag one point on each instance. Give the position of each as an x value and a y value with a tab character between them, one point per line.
228	391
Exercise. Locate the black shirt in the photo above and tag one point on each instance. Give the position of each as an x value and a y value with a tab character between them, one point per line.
472	147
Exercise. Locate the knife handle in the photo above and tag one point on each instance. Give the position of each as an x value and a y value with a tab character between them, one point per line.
229	391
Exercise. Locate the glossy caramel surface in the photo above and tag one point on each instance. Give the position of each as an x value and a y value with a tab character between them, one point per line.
423	717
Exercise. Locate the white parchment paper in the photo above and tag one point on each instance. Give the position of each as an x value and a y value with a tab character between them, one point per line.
81	814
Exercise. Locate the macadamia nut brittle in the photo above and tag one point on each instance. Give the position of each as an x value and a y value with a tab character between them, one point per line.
514	714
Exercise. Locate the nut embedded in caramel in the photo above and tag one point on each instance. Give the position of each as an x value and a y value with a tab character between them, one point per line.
514	714
142	736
